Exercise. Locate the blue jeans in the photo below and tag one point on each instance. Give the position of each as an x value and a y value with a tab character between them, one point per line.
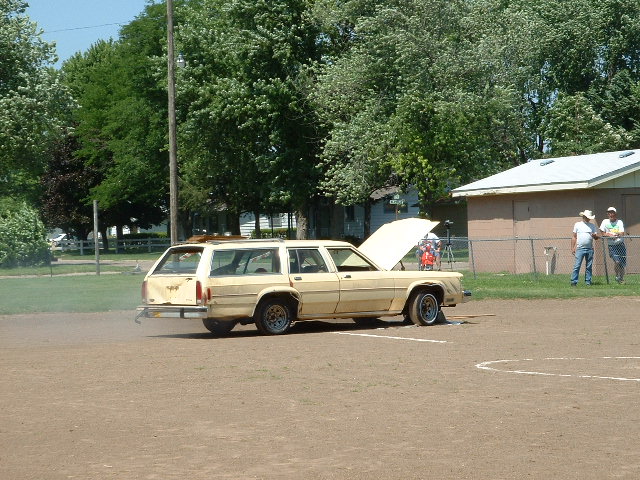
587	255
618	253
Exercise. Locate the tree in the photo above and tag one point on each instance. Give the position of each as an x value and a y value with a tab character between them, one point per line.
549	49
411	101
31	99
121	124
22	235
66	186
574	128
249	138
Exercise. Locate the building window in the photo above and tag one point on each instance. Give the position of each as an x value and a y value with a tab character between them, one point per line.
350	213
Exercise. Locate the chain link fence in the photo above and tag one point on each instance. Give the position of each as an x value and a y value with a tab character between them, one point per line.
537	257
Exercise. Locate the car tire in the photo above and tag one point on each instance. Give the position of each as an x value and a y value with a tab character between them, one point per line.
424	308
273	317
218	327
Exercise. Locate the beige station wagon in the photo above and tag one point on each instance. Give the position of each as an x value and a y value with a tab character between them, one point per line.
274	283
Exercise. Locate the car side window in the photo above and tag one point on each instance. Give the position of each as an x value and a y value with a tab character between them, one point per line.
348	260
306	260
245	262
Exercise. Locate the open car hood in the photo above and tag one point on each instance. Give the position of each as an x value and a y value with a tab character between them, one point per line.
391	242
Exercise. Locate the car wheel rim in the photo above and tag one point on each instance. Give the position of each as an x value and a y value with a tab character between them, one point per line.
428	308
276	317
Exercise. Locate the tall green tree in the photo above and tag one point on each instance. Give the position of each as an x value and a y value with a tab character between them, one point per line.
411	102
249	137
121	122
551	49
66	185
32	101
573	127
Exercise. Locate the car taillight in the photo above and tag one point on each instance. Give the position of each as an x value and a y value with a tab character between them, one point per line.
199	298
143	292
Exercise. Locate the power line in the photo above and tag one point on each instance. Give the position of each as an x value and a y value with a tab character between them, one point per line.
85	28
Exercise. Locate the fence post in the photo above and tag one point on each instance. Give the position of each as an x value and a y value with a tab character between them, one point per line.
533	257
149	243
473	263
604	260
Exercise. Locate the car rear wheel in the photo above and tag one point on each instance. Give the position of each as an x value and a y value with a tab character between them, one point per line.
273	317
218	327
424	309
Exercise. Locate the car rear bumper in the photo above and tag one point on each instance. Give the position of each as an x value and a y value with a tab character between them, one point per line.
171	311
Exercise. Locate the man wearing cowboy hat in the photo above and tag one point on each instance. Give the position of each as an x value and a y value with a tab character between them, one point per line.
582	246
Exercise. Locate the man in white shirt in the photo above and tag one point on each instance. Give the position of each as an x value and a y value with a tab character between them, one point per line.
584	233
613	228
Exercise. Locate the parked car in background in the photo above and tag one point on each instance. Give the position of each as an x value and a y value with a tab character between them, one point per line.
274	283
58	241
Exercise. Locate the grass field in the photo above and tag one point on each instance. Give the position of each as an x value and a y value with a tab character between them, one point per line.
77	293
497	285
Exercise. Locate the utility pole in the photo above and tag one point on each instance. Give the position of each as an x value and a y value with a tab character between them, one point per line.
173	148
96	240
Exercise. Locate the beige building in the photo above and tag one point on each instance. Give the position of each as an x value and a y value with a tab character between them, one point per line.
537	204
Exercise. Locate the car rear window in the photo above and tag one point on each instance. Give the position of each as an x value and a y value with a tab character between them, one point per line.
180	260
254	261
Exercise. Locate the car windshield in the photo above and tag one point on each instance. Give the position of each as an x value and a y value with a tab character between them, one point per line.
180	260
245	261
348	260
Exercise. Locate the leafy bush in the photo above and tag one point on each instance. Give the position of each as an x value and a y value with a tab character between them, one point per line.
277	233
22	236
136	236
141	239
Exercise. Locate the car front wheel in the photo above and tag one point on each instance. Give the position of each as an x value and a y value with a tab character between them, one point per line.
273	317
424	309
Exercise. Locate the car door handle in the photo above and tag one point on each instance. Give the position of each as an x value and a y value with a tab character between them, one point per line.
347	276
297	278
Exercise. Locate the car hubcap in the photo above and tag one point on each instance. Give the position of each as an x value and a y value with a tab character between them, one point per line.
428	309
276	317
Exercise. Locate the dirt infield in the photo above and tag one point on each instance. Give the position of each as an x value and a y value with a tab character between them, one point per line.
539	389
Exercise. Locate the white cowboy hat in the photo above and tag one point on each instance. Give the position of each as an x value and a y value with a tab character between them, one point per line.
588	213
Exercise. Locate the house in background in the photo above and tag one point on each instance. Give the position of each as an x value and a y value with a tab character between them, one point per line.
329	220
388	204
542	199
268	223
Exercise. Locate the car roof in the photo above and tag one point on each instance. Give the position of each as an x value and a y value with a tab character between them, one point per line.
269	242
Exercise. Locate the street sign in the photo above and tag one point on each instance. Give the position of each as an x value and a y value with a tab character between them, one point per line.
395	201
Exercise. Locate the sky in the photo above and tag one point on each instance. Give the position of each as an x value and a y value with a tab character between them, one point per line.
75	25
